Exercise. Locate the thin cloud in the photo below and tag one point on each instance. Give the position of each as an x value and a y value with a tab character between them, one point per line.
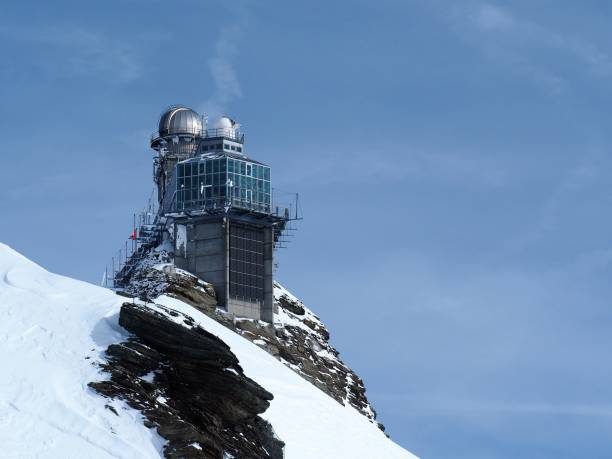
221	66
519	43
489	17
457	168
420	405
79	52
591	169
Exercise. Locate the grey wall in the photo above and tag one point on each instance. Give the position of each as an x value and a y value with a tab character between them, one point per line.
205	253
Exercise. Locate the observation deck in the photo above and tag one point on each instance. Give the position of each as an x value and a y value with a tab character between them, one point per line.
196	133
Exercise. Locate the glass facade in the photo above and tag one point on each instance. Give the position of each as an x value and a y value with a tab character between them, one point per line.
213	183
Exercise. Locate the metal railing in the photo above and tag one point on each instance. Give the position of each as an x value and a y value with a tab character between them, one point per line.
146	232
209	133
227	133
286	207
222	203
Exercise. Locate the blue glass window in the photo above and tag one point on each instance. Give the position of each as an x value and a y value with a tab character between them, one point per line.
215	183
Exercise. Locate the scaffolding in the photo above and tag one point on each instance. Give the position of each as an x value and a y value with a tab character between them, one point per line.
146	233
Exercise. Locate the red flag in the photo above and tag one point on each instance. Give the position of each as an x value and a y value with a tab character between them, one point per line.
133	236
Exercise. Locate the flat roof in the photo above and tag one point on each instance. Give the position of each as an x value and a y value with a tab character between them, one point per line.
227	154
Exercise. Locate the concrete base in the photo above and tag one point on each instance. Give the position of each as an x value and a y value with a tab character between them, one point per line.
246	309
202	247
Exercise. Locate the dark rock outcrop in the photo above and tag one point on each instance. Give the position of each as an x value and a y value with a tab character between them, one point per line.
149	280
303	345
298	338
291	306
189	385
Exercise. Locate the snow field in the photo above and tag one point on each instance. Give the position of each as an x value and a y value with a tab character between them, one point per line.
311	423
51	330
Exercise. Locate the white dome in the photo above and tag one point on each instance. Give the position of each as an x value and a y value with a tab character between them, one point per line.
225	122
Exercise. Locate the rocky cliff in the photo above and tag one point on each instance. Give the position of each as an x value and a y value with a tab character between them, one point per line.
90	373
187	382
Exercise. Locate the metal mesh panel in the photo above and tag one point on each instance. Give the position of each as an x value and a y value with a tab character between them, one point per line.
246	263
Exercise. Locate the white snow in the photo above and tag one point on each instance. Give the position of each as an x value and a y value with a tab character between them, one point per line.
311	423
149	377
284	318
53	328
181	239
49	325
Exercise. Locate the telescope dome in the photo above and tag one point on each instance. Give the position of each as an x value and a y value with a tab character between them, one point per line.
180	120
225	122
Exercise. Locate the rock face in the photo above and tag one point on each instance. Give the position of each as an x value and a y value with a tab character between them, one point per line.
301	341
155	275
188	384
298	338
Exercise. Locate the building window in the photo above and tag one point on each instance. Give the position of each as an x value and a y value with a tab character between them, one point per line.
216	183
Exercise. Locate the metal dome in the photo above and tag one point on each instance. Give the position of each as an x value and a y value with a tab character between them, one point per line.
225	122
180	120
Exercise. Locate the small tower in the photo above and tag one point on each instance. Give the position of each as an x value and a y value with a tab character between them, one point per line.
177	138
217	211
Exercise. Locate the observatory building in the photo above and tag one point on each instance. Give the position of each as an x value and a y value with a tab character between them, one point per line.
216	209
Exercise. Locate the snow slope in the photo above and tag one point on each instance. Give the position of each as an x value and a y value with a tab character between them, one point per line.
49	324
311	423
53	328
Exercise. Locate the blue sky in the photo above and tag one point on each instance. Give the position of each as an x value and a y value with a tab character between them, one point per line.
453	160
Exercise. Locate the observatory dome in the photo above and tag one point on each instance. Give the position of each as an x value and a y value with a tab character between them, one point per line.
225	122
180	120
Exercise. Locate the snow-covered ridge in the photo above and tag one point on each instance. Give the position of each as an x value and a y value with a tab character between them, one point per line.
53	333
284	317
312	356
297	338
52	329
312	424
